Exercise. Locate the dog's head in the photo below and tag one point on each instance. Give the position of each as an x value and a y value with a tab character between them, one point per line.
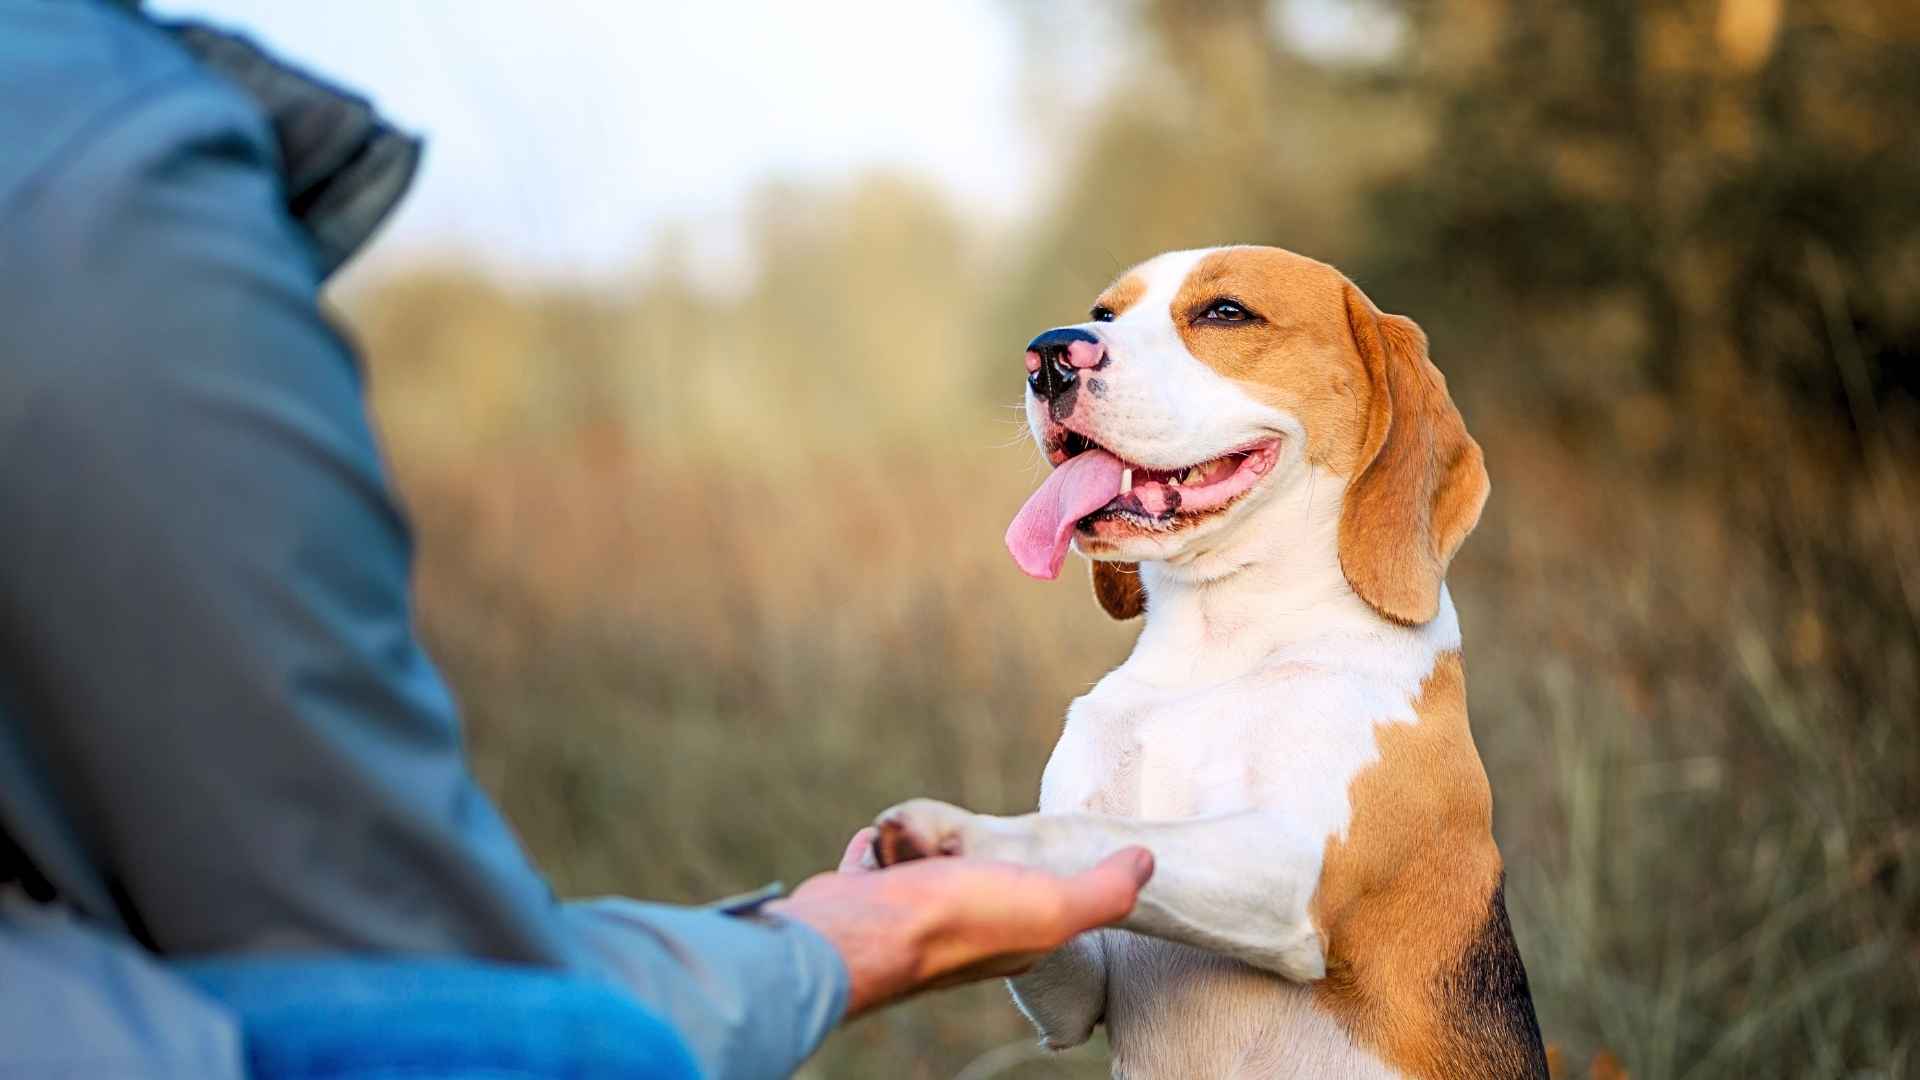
1211	386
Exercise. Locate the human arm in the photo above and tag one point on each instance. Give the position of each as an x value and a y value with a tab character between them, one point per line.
217	728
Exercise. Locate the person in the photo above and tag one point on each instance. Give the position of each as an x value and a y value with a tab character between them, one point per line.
237	831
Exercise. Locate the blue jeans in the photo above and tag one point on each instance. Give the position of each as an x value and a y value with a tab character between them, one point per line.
385	1019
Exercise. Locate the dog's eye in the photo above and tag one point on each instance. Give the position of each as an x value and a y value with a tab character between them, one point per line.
1102	314
1225	311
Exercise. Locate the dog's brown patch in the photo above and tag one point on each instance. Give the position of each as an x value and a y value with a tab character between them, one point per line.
1422	479
1122	294
1117	586
1294	354
1374	407
1421	964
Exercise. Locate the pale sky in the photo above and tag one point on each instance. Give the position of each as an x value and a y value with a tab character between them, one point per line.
564	134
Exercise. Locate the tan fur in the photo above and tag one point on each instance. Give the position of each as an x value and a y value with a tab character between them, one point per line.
1423	478
1116	585
1297	355
1402	898
1122	294
1374	407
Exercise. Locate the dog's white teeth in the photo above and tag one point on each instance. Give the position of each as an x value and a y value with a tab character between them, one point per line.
1126	481
1192	476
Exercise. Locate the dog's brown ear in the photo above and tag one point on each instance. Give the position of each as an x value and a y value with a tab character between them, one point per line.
1117	586
1421	480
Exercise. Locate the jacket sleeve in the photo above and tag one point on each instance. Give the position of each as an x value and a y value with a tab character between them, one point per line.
206	648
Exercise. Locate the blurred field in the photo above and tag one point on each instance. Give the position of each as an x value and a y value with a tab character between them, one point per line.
718	575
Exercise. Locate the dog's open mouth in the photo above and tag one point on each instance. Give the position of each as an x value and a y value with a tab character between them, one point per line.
1091	485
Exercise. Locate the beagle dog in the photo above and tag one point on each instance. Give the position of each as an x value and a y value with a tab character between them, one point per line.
1271	469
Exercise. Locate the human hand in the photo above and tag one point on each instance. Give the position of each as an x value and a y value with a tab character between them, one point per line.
940	922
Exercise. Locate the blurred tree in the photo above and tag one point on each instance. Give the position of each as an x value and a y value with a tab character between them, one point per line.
1690	227
1207	129
1641	196
1723	171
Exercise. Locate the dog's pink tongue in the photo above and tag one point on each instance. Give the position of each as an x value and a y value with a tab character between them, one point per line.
1043	529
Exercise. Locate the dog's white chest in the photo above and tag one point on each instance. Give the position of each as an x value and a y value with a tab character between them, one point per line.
1151	760
1290	738
1134	766
1274	739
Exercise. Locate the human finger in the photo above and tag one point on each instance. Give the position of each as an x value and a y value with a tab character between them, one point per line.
858	858
1107	892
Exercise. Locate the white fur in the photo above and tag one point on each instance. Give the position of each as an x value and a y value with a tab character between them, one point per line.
1226	743
1235	780
1163	408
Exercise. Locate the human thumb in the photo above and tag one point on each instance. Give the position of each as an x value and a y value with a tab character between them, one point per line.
1106	893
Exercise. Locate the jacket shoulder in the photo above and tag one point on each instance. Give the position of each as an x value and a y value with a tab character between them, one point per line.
89	92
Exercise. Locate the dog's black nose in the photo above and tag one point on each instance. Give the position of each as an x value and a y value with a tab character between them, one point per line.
1056	358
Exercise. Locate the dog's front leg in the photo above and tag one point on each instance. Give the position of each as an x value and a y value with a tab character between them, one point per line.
1239	884
1065	994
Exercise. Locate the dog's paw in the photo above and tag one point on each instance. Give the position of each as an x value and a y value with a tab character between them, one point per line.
920	829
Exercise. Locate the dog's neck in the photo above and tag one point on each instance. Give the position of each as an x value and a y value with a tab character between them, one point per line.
1271	587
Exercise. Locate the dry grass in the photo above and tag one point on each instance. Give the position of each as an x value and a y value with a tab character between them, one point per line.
684	677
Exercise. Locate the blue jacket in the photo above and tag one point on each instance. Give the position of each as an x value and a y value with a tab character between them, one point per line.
218	733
